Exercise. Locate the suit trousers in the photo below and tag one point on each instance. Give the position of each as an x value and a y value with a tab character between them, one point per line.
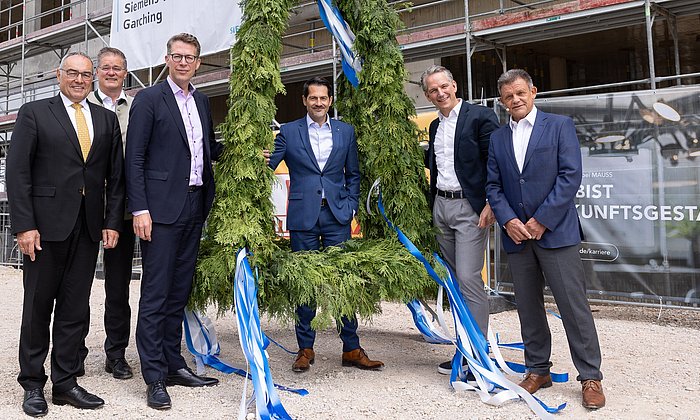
562	269
327	232
168	268
462	244
117	317
117	268
62	273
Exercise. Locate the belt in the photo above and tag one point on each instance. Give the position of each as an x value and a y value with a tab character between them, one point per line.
450	194
194	188
324	202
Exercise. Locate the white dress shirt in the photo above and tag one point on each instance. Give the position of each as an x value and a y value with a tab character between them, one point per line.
522	130
86	112
445	150
107	101
321	138
193	129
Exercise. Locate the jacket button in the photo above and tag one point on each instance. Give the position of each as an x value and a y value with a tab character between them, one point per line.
520	204
522	181
318	191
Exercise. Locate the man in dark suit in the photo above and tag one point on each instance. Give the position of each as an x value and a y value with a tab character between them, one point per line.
170	188
66	193
111	71
324	172
456	158
534	171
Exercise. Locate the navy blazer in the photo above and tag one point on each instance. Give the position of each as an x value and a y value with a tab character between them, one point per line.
474	127
340	178
47	179
547	186
158	154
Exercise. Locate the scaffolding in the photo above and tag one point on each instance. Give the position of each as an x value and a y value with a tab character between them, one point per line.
35	34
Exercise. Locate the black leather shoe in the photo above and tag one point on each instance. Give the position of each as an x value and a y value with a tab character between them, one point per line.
78	398
157	396
34	403
186	377
119	368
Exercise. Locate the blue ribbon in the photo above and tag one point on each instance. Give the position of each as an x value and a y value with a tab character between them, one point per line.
425	326
480	361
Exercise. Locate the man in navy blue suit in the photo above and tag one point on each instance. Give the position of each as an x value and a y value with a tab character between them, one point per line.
534	171
324	189
170	190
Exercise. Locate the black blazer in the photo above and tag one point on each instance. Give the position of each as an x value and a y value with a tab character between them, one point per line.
46	175
474	126
158	154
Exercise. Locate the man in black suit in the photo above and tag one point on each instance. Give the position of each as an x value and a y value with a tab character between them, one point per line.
456	157
170	187
66	193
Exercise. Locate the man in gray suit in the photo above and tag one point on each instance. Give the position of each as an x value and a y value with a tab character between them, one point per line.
111	72
456	157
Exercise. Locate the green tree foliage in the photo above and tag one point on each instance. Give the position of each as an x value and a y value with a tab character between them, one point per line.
380	111
342	281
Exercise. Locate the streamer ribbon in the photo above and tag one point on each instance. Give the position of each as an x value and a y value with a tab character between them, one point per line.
471	344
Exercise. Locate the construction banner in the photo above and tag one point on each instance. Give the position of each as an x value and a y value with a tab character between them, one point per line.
142	28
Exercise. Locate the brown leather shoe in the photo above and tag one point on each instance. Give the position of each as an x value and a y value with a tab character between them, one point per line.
532	382
358	358
593	396
305	358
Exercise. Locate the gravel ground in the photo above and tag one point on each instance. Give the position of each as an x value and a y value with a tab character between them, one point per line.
651	367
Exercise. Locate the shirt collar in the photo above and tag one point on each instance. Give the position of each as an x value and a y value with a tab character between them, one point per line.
454	112
68	103
309	121
176	89
101	96
531	117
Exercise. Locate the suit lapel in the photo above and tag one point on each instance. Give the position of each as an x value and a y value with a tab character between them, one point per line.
171	104
337	141
510	151
304	135
461	120
59	111
96	129
204	119
535	137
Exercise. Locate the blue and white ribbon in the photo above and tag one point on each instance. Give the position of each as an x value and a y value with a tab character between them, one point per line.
253	343
471	343
200	336
336	25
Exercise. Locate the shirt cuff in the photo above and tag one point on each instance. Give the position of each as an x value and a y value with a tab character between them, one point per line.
139	212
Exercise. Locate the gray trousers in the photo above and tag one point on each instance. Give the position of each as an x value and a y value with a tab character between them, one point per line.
462	244
563	269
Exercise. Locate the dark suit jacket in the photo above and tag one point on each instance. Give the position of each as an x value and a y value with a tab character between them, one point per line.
474	127
46	173
547	186
158	154
340	178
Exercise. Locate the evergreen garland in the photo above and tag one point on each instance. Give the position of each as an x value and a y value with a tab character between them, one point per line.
342	281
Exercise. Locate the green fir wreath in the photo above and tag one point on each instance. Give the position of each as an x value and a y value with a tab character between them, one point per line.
347	280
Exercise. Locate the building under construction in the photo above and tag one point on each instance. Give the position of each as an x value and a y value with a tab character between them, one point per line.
627	71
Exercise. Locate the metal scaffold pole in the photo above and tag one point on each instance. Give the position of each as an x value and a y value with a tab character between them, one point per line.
468	42
650	43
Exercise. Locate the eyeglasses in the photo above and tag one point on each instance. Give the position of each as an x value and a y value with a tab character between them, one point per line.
189	59
73	74
115	69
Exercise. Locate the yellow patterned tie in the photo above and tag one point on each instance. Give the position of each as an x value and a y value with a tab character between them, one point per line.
83	132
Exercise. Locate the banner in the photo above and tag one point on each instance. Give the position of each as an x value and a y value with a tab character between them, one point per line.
142	28
639	199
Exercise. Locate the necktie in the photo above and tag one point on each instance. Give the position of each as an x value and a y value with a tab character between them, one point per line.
83	132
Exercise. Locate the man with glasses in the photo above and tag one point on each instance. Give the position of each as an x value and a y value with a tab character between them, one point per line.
170	187
111	72
66	193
